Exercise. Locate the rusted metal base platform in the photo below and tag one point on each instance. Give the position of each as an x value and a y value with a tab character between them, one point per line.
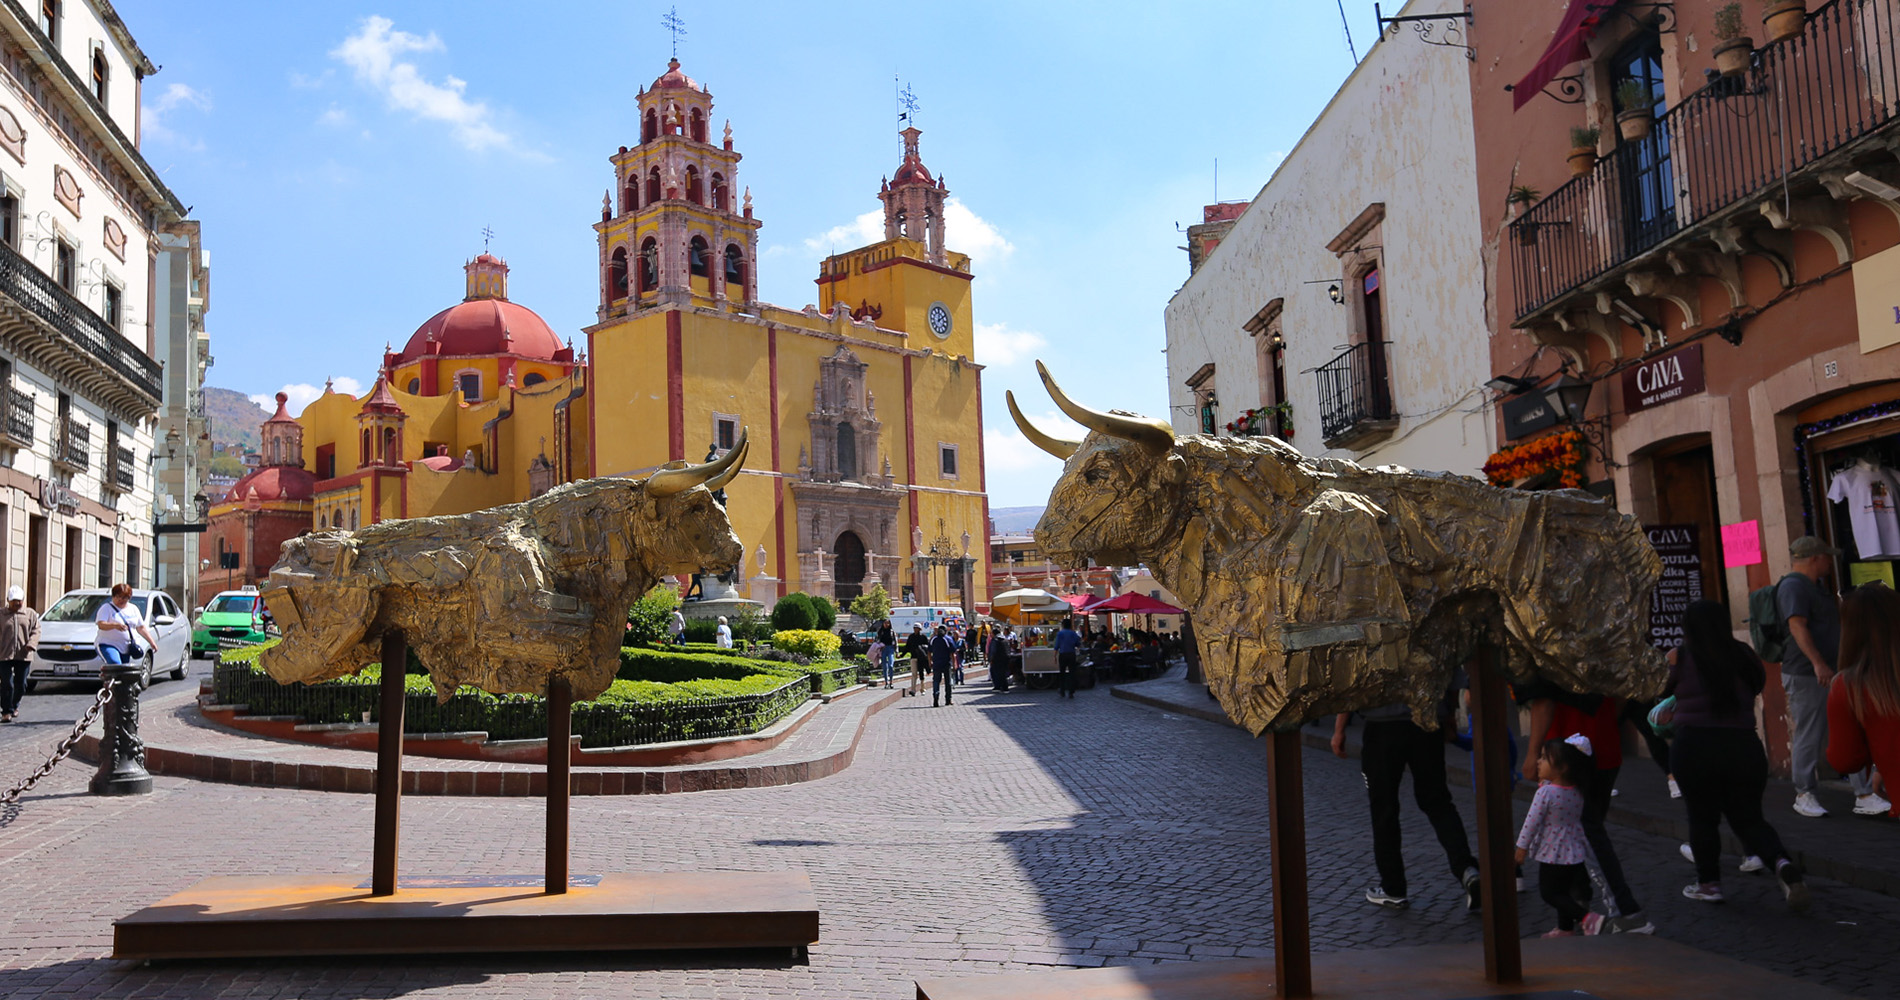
237	917
1619	967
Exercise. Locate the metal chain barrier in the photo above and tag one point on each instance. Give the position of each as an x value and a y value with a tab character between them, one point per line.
62	751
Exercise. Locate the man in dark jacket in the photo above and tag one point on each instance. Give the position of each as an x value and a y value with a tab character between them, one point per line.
19	636
944	653
998	655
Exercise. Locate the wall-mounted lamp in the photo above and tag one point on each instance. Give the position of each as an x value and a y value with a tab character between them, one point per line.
1510	385
1333	292
1731	331
1568	396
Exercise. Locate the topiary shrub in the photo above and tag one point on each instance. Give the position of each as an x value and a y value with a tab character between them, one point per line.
826	613
781	656
808	642
794	613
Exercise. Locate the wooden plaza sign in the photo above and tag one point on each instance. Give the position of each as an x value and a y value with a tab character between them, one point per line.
1664	379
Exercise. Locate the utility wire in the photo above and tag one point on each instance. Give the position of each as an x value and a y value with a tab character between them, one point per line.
1348	26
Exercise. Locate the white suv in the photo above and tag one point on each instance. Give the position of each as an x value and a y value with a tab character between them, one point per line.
69	647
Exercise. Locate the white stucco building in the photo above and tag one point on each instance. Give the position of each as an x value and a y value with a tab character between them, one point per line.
82	376
1350	292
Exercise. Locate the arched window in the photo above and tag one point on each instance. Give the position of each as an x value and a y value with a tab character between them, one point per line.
696	254
693	193
389	445
735	267
617	274
471	385
903	224
653	185
650	128
719	191
533	378
630	198
930	226
649	265
847	451
364	457
415	386
698	126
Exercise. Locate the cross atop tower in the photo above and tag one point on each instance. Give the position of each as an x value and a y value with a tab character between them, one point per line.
671	22
488	234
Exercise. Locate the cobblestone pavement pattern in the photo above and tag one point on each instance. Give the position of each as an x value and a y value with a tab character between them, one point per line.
1007	831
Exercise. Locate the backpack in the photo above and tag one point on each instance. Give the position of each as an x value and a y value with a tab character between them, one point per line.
1766	631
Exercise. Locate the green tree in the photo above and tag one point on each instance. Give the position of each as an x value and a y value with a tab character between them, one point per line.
226	465
649	617
794	612
824	613
873	605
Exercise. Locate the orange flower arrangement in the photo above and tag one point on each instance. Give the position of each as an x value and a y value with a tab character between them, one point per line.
1561	453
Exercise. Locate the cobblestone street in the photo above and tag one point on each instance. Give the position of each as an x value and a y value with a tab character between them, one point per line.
1007	831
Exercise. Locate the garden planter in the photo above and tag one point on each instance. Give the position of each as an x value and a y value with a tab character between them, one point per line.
1583	159
1634	125
1785	20
1733	56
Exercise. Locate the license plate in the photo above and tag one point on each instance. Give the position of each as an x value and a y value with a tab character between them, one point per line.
66	670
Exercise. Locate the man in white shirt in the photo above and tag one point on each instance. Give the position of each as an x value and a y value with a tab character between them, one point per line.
679	627
725	633
117	620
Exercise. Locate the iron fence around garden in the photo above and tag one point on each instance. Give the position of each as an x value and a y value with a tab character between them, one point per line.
1738	138
516	716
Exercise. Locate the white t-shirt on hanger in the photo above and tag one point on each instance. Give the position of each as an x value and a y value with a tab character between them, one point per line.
1872	493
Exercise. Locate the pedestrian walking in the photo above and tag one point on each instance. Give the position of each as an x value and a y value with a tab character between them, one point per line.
1863	704
19	636
887	651
1812	617
943	666
116	621
679	627
1718	759
723	636
1067	644
1552	836
1557	715
1392	744
917	648
998	655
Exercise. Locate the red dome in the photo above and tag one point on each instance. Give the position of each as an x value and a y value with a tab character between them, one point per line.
673	79
912	171
483	327
275	482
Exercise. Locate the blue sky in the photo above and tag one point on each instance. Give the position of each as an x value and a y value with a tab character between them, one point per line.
344	161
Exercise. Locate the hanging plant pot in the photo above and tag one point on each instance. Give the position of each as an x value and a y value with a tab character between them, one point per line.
1785	20
1633	125
1733	56
1583	159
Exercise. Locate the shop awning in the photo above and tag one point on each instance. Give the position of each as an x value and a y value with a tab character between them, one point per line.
1570	45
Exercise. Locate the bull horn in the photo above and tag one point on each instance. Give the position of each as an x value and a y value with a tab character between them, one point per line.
1129	426
1061	448
719	481
666	482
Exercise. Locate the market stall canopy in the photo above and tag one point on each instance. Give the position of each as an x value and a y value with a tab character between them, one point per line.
1026	597
1132	603
1078	601
1571	44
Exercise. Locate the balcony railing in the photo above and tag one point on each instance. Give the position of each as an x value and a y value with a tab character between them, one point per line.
1733	140
19	416
35	290
70	449
1355	392
121	473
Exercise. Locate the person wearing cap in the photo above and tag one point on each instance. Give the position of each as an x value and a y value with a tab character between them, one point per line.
19	636
1812	616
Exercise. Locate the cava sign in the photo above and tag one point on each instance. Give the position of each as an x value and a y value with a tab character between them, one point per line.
1663	380
1680	547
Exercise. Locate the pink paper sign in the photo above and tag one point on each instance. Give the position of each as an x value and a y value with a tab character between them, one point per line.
1741	543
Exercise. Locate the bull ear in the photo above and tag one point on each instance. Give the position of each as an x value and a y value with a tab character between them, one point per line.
1128	426
667	482
1059	447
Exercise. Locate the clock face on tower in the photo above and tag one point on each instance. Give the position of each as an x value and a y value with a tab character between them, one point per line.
940	320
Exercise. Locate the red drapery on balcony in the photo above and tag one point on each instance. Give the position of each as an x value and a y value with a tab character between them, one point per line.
1569	45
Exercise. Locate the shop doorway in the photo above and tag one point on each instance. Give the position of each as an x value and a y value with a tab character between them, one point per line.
1684	478
75	552
1852	487
36	562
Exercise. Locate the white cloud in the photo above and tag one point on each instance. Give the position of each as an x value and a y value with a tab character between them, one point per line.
371	54
1006	451
963	231
866	228
302	394
152	120
999	346
334	116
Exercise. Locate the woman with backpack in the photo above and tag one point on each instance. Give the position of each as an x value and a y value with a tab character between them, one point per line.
1863	703
1718	760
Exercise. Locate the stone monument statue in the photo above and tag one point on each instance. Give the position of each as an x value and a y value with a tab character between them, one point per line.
1321	586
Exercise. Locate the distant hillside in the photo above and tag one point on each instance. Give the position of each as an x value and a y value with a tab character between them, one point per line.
1015	520
233	417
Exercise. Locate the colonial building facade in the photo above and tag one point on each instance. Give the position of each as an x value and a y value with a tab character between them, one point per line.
83	342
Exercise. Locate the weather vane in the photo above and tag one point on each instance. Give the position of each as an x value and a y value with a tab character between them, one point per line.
671	22
906	103
488	233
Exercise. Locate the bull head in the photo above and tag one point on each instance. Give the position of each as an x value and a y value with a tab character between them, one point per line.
1121	492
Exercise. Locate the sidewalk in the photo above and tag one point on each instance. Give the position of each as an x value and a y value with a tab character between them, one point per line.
180	741
1856	850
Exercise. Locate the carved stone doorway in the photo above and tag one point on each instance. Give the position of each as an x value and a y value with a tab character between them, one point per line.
847	568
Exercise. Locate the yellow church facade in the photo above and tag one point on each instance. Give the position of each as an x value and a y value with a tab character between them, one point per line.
863	413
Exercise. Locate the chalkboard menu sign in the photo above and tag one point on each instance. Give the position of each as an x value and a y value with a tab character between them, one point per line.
1681	583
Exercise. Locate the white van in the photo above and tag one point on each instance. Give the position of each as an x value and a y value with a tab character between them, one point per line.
928	616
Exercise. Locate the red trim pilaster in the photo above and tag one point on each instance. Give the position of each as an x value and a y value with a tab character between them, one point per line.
593	392
982	485
910	456
778	483
675	388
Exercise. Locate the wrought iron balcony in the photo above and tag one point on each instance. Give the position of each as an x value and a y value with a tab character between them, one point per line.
67	338
70	449
19	417
120	476
1355	397
1716	154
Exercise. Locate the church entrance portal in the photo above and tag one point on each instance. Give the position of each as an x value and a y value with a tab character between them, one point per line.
847	570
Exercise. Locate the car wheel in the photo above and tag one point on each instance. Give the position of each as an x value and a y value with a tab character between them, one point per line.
184	663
